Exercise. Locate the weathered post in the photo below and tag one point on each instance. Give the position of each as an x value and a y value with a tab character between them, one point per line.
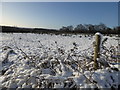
97	49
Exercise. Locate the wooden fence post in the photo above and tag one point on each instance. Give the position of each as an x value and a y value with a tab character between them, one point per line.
97	49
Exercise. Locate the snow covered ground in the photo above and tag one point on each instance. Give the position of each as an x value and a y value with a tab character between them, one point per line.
56	61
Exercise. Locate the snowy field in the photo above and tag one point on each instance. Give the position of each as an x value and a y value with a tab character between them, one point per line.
56	61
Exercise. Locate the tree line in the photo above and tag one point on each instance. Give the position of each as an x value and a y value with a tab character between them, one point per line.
81	28
89	28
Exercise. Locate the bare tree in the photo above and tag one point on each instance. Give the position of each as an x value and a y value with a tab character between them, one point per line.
80	27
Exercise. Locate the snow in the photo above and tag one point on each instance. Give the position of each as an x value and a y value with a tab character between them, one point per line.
98	34
56	61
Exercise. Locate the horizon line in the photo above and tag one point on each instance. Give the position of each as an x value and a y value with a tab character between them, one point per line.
52	28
